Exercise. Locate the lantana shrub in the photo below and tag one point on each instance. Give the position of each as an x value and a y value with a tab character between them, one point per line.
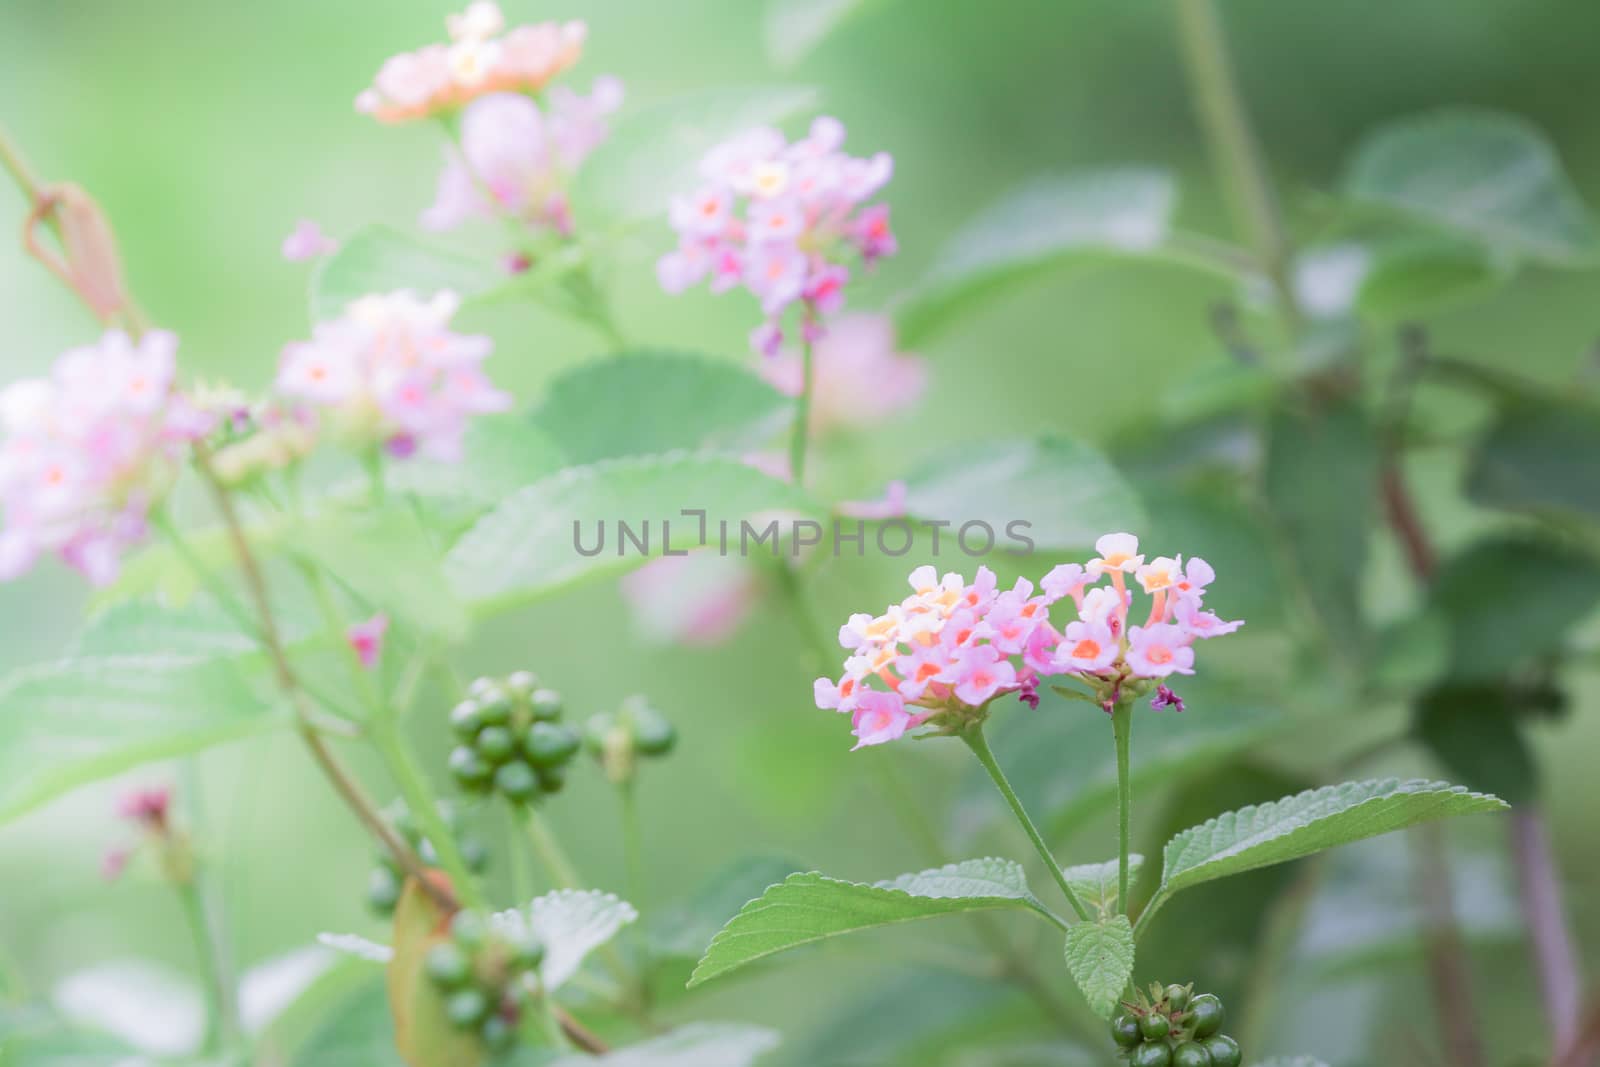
322	556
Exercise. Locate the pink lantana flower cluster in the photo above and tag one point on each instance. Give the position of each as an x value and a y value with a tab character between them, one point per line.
481	58
86	452
780	219
941	654
515	160
1100	646
948	650
390	371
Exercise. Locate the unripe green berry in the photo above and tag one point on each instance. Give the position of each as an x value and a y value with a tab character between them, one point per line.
1190	1054
597	729
495	743
428	853
466	718
552	779
1206	1015
481	686
549	745
469	768
468	930
448	965
1177	997
497	1034
466	1008
476	854
383	890
652	733
1154	1026
1125	1030
1224	1051
1156	1055
546	704
516	780
527	951
522	683
495	707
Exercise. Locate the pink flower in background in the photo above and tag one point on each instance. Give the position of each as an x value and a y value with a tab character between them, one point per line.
149	807
307	241
86	452
781	219
946	648
480	59
698	599
366	638
945	652
391	371
517	160
858	376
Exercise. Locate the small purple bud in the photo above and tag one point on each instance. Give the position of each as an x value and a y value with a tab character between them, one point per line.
1029	691
1166	698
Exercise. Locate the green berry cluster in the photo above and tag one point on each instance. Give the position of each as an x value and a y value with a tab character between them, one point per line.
480	971
1174	1027
511	739
618	738
386	879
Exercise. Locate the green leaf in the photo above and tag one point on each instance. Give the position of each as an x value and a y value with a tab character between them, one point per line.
685	928
1489	177
200	629
869	1027
1539	458
654	154
1037	228
1304	824
1059	493
795	27
1097	883
381	259
388	560
1321	485
1421	275
812	907
502	454
694	1045
359	1030
1062	764
1474	732
65	724
526	548
1100	957
667	401
571	923
1509	600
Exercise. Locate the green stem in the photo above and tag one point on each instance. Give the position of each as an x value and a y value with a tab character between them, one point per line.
1233	143
424	808
12	159
632	845
802	416
1122	730
980	747
218	996
203	574
289	682
557	867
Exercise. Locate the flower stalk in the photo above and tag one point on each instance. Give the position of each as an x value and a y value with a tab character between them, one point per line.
979	744
1122	731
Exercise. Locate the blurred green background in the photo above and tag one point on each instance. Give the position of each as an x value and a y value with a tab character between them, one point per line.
207	129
